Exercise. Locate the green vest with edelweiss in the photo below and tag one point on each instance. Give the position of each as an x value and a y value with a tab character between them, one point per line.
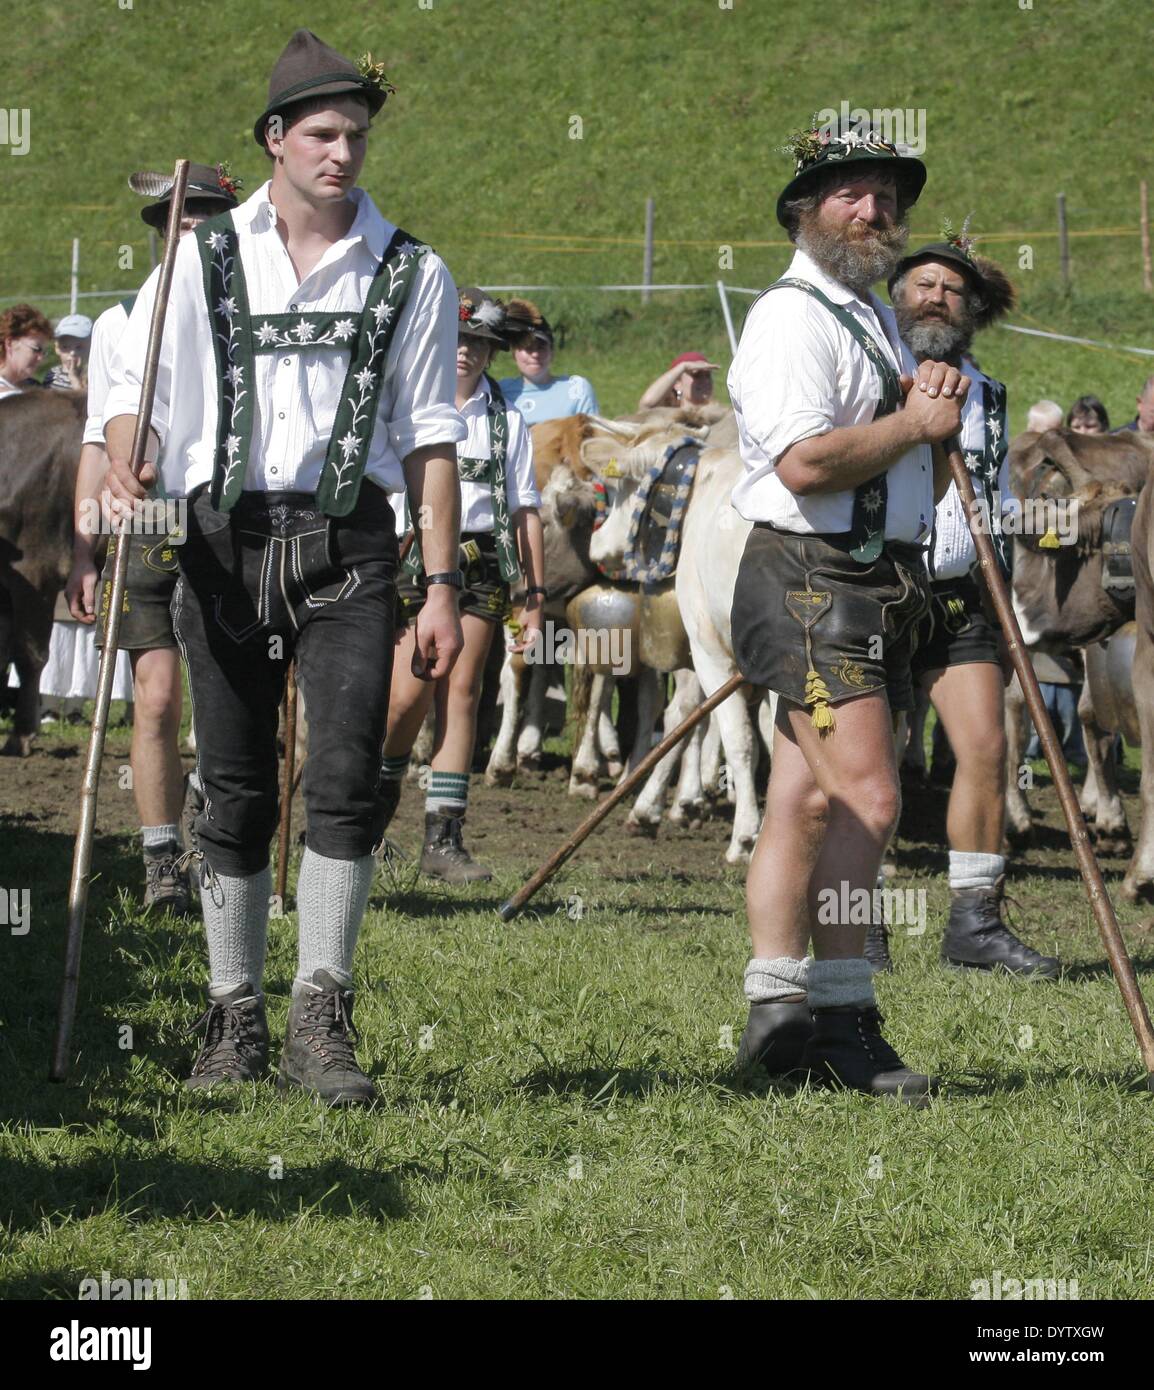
239	336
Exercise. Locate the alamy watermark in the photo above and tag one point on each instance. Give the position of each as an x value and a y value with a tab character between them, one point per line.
108	1289
844	906
610	647
16	128
1000	1286
904	126
147	516
1056	517
16	910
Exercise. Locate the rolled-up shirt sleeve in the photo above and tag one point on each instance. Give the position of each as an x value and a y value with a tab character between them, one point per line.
784	379
520	483
424	368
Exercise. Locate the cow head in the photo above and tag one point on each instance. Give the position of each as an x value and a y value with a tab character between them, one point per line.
1069	488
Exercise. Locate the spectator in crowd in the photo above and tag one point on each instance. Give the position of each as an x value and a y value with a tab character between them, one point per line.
537	393
1088	416
1044	415
73	340
24	337
688	380
1144	420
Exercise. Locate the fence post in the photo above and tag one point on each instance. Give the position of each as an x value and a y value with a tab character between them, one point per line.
1063	241
1147	281
75	273
647	266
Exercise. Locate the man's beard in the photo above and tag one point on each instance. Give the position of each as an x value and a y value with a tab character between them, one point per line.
857	260
931	338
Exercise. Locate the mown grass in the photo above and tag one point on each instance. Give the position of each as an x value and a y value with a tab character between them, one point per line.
559	1117
679	99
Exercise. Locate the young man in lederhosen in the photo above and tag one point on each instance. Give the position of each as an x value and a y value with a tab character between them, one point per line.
837	437
501	526
942	295
306	374
145	621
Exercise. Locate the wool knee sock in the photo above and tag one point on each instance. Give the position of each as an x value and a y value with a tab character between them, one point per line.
448	794
236	924
394	769
841	983
332	895
159	836
779	978
974	870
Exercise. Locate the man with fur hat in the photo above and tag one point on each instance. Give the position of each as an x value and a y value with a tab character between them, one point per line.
840	432
306	374
943	295
146	622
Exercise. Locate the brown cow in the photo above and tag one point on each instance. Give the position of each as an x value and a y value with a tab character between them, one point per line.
39	451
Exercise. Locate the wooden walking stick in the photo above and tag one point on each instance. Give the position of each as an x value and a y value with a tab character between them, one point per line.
82	854
509	909
288	782
1103	909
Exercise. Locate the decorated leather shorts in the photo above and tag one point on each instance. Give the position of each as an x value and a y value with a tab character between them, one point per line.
485	593
816	626
145	619
956	630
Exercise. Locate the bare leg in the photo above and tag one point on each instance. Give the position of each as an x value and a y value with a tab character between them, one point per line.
969	702
157	774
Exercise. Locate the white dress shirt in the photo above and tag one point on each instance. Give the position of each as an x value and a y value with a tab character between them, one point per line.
106	333
296	394
799	373
953	546
520	481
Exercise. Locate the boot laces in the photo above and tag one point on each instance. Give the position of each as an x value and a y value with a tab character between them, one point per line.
327	1028
869	1027
232	1038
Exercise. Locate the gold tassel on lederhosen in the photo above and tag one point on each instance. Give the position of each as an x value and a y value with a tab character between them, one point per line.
817	695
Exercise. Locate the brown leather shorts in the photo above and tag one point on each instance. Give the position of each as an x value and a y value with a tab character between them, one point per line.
485	593
957	629
813	624
145	617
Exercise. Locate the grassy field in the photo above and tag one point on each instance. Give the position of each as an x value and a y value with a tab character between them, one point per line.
681	100
559	1116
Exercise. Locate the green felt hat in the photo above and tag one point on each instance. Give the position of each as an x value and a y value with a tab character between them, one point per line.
993	286
479	315
819	148
206	183
309	68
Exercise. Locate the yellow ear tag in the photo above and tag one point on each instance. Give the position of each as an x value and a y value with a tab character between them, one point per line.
611	470
1050	541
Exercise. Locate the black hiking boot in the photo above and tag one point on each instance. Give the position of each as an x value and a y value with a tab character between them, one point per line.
166	879
976	938
877	948
445	855
318	1051
847	1049
235	1046
776	1035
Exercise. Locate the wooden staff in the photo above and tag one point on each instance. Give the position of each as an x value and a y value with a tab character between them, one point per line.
509	909
82	853
1103	909
288	782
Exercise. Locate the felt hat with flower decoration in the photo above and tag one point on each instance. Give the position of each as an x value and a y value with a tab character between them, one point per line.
996	295
479	315
309	68
818	149
207	183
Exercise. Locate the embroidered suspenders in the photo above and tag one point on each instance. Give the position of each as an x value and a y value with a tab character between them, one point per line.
239	336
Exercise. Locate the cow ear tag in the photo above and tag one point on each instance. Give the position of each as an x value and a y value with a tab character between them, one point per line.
1049	541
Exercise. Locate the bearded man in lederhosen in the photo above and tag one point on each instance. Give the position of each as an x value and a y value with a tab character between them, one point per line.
840	434
942	295
307	373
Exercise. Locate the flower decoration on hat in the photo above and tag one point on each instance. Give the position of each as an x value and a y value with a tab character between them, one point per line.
228	181
818	143
375	73
962	241
478	314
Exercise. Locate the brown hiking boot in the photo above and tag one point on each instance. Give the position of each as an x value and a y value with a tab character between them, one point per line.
166	885
318	1051
445	855
235	1046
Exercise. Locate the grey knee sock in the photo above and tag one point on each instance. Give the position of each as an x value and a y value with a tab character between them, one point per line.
841	983
331	898
775	979
973	870
236	924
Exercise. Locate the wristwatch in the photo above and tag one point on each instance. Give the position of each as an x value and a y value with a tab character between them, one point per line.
454	578
536	589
